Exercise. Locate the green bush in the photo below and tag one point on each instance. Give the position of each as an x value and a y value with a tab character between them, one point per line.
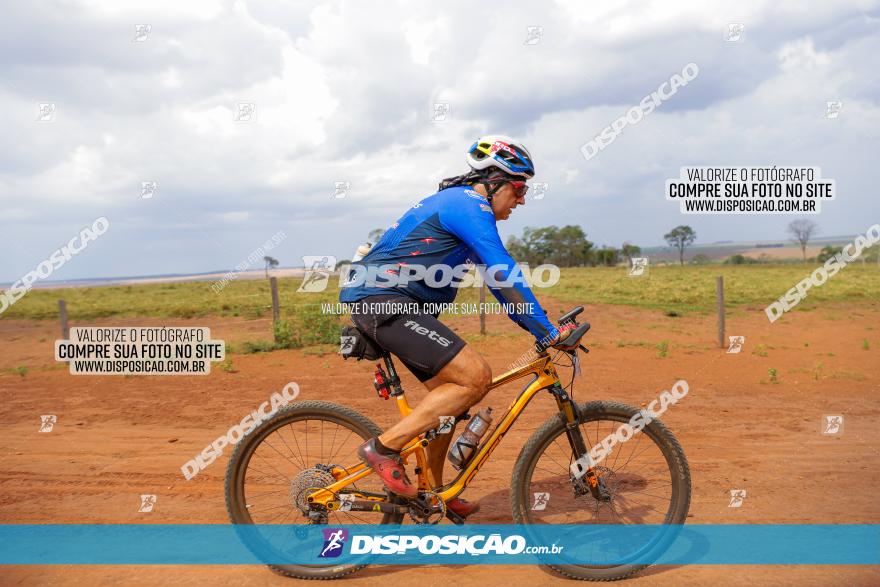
313	327
740	260
285	335
257	346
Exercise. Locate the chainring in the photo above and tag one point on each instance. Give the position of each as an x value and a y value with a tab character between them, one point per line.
423	509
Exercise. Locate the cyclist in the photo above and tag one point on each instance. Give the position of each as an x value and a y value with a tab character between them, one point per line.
454	226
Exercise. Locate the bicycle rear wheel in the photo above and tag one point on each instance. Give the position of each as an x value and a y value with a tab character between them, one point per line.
647	476
285	458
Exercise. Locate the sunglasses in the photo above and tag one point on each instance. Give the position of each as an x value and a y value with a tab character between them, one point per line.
519	187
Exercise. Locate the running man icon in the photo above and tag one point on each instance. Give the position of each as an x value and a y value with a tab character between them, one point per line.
333	542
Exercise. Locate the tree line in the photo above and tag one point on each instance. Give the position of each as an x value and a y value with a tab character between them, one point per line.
567	246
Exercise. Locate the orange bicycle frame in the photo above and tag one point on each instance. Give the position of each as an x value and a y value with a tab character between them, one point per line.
545	376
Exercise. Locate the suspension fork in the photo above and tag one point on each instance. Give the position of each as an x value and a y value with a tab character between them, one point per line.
571	413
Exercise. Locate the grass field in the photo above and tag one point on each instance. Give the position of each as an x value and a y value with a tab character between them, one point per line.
670	289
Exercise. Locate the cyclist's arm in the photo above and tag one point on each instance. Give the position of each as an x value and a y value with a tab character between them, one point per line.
476	228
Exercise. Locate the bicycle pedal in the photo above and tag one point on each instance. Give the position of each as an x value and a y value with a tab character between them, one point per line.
454	518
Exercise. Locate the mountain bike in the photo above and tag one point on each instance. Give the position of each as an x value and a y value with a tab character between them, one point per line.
301	466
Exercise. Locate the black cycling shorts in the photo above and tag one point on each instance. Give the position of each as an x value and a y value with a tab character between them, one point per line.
400	325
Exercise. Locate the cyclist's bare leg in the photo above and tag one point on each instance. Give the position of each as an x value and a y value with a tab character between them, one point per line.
459	385
436	451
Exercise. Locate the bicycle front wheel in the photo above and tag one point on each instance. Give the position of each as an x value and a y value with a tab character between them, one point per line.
647	479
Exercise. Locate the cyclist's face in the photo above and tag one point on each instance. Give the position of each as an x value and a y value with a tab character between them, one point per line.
511	195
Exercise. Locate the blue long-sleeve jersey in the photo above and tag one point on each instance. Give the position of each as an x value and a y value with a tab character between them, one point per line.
451	227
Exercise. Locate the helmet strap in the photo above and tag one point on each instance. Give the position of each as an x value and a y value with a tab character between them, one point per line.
490	191
493	183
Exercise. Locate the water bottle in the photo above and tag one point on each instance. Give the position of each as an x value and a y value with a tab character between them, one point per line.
465	446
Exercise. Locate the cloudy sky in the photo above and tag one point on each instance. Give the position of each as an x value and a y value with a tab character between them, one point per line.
344	92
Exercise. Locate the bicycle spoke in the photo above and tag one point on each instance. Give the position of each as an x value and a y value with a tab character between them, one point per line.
620	452
339	515
284	505
266	442
628	493
281	436
332	444
292	431
266	493
628	461
270	465
267	475
557	462
350	432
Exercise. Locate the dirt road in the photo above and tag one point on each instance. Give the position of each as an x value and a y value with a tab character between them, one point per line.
119	437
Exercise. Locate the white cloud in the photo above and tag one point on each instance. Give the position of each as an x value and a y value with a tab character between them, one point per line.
344	91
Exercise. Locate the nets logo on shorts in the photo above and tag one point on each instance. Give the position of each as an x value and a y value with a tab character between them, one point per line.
431	334
334	541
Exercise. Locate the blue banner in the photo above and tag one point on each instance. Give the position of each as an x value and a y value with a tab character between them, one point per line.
857	544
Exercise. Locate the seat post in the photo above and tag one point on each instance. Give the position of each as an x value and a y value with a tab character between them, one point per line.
392	374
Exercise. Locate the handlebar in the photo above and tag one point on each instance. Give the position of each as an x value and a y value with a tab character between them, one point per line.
571	314
573	339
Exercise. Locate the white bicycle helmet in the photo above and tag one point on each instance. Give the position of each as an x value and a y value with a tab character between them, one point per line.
501	152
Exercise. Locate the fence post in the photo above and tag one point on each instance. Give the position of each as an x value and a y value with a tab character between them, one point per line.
276	309
482	306
65	328
719	292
